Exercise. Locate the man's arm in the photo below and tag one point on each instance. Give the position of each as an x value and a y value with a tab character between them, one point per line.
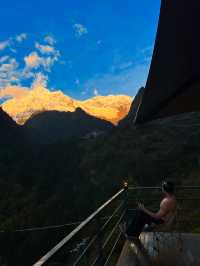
158	215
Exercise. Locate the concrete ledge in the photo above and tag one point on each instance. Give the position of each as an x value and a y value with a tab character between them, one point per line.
133	254
177	249
158	248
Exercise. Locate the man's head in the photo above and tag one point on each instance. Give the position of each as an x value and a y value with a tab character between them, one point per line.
168	187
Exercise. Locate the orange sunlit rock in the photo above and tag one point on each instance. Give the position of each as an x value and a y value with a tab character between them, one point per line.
39	99
13	91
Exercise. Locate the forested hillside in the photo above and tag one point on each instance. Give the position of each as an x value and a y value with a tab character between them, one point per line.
48	184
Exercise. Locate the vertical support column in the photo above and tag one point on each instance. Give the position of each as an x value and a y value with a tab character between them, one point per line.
126	200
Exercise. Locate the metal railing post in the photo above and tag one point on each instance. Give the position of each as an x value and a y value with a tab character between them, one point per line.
125	200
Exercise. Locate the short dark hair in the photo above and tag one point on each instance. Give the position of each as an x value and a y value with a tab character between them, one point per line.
168	187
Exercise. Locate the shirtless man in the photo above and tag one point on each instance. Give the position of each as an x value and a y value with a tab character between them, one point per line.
144	216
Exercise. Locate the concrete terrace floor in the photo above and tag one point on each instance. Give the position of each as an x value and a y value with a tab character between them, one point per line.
161	249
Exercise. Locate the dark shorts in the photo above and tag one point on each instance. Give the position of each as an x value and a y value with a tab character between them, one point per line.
139	220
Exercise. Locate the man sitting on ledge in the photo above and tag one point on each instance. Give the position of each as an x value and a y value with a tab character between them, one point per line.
144	216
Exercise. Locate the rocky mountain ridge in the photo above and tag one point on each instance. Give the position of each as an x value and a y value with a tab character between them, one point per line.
54	126
26	103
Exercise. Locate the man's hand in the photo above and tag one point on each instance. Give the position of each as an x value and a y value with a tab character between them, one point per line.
158	215
141	206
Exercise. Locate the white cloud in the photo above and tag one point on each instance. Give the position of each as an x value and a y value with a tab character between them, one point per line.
49	56
12	64
13	50
44	49
21	37
33	60
40	61
9	73
125	65
4	58
79	30
95	92
50	40
84	92
40	80
145	54
48	62
27	73
4	44
147	49
10	42
126	81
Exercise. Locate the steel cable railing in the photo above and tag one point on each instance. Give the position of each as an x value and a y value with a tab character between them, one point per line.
94	231
95	241
95	237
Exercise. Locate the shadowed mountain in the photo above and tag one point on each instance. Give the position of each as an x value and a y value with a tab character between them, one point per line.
150	152
10	132
132	114
53	126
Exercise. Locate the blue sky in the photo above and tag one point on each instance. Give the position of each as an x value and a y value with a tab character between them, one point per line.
83	48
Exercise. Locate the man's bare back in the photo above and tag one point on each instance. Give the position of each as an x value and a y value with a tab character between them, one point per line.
145	216
168	207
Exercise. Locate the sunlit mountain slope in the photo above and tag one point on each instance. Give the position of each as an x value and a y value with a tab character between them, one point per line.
27	103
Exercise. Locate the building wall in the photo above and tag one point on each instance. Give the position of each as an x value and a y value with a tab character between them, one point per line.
175	61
